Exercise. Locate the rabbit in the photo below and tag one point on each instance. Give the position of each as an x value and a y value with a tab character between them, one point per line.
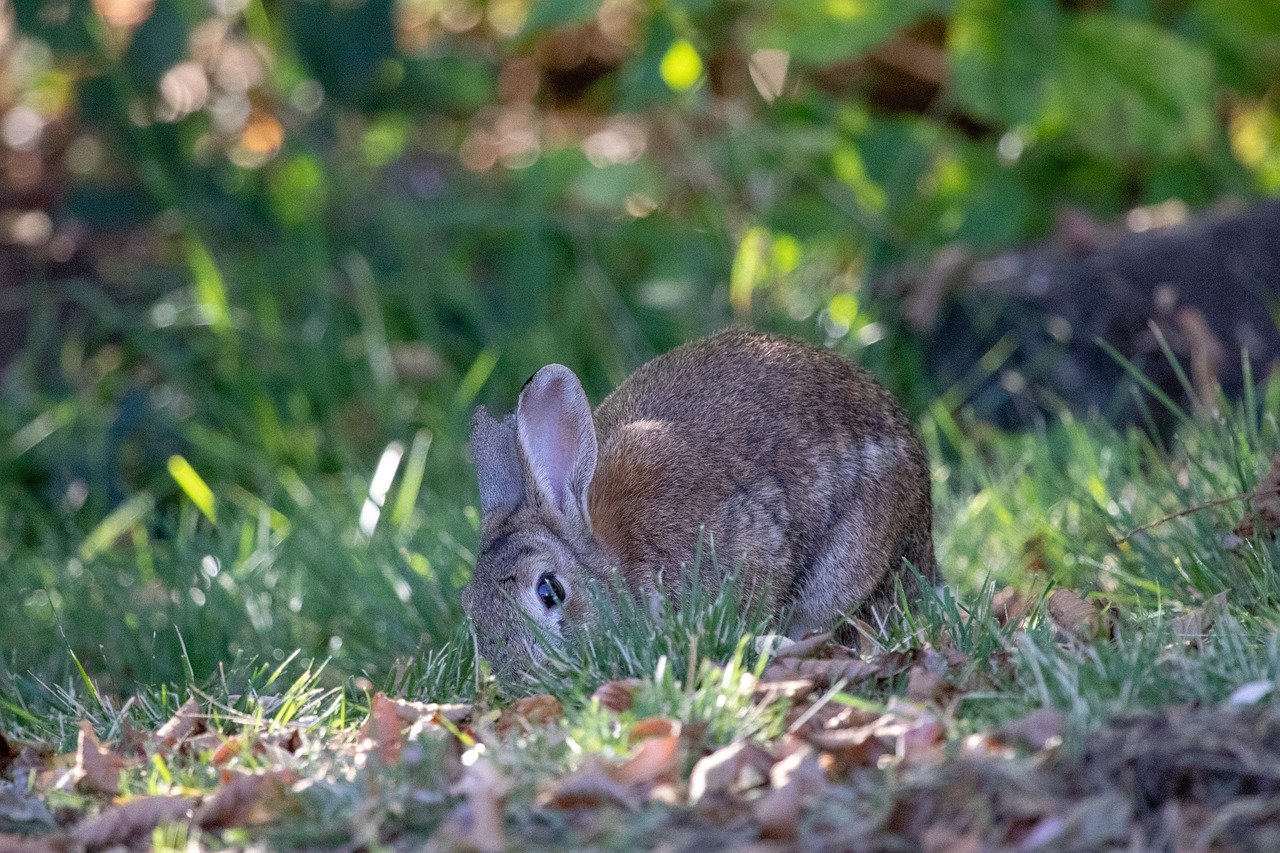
808	475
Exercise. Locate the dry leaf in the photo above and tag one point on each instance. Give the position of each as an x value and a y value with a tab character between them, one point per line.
1193	625
36	759
130	822
804	648
737	767
413	712
654	727
823	673
484	788
226	751
287	742
846	749
97	768
1266	505
1037	730
589	787
924	686
530	711
1267	500
955	658
921	741
246	800
205	742
618	696
794	779
189	720
383	731
1084	620
654	759
1010	606
986	745
791	688
889	664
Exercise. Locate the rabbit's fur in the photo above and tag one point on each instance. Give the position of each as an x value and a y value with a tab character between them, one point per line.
805	471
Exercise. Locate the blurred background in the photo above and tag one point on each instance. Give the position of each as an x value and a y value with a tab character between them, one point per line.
259	261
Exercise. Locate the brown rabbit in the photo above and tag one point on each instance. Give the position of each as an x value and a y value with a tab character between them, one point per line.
806	472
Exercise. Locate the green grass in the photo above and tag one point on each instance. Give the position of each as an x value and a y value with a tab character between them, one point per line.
232	550
172	598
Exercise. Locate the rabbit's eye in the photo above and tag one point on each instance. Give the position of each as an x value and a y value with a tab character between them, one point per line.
550	590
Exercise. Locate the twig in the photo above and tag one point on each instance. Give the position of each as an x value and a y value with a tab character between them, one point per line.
1246	496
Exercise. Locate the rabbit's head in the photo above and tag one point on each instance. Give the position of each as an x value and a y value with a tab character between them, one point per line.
536	545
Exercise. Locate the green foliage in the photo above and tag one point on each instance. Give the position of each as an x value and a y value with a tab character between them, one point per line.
817	34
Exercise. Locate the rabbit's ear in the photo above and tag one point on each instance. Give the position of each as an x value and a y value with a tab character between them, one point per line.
497	464
558	438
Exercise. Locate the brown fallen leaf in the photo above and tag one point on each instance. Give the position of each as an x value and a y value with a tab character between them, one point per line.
1037	730
38	759
97	768
986	746
227	750
529	712
793	780
484	789
131	822
1085	620
1194	625
1266	505
411	712
654	759
804	648
654	727
924	686
791	688
189	720
921	741
823	673
730	769
843	750
246	799
1010	606
589	787
618	696
383	731
890	664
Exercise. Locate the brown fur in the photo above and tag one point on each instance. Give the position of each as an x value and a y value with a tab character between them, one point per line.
806	473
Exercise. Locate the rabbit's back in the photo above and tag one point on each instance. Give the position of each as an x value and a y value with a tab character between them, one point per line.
805	470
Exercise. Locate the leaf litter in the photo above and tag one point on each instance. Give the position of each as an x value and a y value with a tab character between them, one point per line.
838	772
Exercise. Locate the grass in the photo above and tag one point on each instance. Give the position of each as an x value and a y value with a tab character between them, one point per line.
233	462
288	596
171	596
